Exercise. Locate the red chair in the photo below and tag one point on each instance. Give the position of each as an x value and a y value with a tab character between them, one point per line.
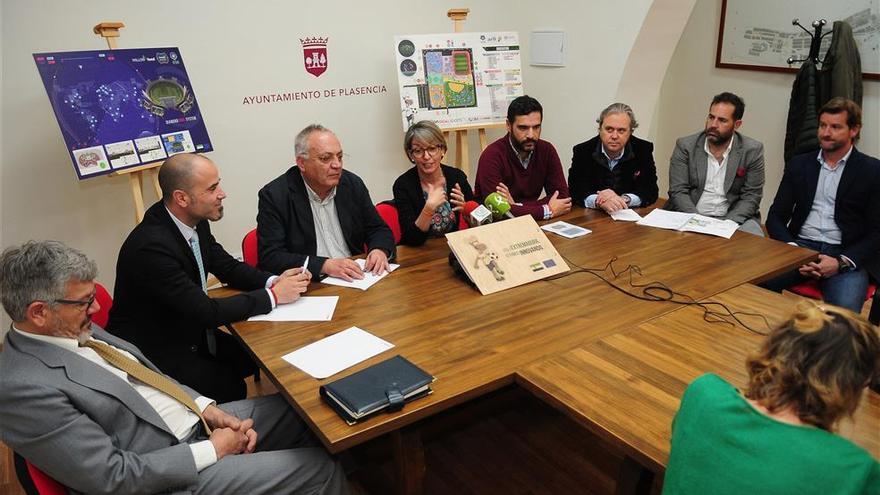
34	481
811	289
388	212
249	250
105	300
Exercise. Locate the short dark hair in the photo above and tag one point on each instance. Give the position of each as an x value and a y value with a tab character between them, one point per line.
523	105
840	104
739	106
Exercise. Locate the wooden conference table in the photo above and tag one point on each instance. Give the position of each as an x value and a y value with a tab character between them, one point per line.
626	387
475	344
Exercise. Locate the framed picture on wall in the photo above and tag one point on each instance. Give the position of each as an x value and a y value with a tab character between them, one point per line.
761	35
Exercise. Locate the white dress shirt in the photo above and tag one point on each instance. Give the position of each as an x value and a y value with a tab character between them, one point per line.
179	419
713	201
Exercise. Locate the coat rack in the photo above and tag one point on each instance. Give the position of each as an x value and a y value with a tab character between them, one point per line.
815	40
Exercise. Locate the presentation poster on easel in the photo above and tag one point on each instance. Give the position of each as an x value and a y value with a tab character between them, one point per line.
120	109
457	79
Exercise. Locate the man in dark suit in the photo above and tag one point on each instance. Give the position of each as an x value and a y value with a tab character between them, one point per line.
94	413
160	301
614	170
319	210
830	202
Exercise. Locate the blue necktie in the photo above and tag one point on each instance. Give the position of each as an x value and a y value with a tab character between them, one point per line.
197	252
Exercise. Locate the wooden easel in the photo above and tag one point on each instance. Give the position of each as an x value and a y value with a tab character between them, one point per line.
462	157
110	31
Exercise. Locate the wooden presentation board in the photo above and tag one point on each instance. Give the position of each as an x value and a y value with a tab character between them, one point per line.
506	254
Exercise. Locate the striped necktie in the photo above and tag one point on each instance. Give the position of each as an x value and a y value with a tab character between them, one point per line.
146	375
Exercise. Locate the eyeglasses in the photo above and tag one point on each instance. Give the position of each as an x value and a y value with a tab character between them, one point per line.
429	151
327	158
86	304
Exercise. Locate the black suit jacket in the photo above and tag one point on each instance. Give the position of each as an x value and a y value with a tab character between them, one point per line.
158	303
410	200
635	173
856	208
286	228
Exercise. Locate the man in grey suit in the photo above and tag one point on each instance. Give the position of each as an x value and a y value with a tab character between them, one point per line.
719	172
96	428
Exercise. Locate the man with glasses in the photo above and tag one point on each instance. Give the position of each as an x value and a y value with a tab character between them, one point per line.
94	413
320	213
160	300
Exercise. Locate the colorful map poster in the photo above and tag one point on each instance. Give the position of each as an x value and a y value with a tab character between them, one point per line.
122	108
457	79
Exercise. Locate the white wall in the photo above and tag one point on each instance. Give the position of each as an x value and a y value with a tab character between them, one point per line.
692	80
236	49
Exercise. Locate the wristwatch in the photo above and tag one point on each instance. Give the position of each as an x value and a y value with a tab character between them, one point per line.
843	266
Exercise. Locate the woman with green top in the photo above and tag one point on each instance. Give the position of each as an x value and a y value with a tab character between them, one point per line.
777	437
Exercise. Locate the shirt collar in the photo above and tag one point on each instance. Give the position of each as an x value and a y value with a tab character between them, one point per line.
68	343
840	163
622	152
313	196
522	161
187	231
726	152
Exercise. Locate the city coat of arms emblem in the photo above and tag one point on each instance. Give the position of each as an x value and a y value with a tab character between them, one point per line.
314	55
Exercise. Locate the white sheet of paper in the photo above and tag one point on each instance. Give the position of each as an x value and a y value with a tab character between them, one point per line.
364	283
337	352
565	229
672	220
626	215
711	226
306	308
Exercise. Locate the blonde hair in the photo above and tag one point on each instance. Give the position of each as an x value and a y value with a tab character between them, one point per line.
817	363
425	131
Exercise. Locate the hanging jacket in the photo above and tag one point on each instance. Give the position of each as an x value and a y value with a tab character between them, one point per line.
802	127
841	73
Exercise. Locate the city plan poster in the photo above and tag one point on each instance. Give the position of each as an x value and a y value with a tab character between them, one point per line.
759	35
457	79
122	108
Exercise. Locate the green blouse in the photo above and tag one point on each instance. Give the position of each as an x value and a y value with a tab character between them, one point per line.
721	444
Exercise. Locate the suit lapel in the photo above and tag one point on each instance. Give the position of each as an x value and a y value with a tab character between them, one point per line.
734	161
91	375
701	164
851	171
302	208
181	243
811	176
